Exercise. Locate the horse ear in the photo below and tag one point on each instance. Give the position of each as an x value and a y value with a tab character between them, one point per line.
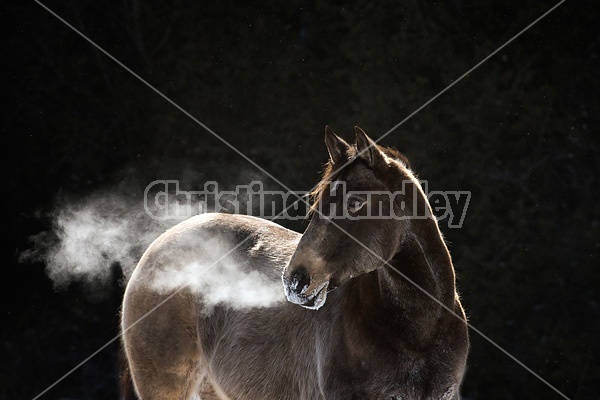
367	149
336	146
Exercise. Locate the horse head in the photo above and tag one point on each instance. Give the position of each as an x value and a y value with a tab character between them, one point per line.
360	218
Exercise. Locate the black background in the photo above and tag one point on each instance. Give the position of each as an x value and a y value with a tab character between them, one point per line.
520	132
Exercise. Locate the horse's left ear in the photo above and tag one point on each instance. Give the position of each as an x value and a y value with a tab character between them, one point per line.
367	149
336	146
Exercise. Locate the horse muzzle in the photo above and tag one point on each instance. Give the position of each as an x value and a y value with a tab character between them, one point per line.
302	290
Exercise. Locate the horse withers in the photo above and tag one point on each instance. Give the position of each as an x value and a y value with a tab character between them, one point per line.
370	309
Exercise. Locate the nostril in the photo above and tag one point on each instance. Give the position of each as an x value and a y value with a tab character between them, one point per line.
299	281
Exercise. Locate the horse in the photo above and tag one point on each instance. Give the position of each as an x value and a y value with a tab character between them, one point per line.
368	308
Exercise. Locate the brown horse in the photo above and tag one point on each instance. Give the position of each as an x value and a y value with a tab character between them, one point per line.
376	313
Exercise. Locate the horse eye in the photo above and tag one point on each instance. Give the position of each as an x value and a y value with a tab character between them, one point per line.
355	203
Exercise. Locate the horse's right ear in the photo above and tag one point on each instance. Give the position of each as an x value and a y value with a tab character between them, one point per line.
336	146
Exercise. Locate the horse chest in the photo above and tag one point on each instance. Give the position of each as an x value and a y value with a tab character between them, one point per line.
372	373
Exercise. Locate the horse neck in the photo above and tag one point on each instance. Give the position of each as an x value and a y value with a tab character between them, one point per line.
421	265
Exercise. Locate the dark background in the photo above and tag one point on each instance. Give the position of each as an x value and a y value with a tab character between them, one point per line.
520	133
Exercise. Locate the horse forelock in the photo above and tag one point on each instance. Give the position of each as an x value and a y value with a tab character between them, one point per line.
335	171
331	172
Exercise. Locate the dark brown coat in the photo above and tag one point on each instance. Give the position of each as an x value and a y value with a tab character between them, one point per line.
376	315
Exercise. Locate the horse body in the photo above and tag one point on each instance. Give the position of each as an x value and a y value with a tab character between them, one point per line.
179	340
364	331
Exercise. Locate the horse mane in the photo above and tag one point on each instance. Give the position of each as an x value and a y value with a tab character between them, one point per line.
332	171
